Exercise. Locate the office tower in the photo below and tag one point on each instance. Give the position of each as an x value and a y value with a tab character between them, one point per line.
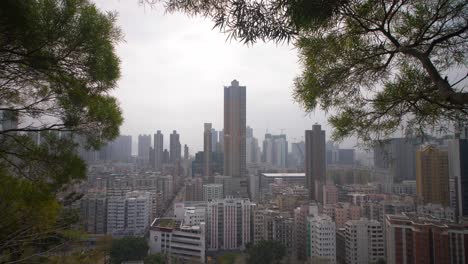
458	172
212	192
322	239
432	175
315	162
144	145
158	150
94	213
186	152
228	224
214	139
207	141
267	155
174	147
280	151
364	241
420	240
398	155
234	132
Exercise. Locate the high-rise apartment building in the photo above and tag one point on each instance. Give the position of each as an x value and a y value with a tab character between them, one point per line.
275	150
364	241
212	191
94	213
432	175
398	155
121	149
234	136
144	144
158	150
207	150
274	225
422	241
186	152
214	139
174	147
228	224
315	162
321	239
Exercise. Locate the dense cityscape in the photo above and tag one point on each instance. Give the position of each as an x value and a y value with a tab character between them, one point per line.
322	132
321	202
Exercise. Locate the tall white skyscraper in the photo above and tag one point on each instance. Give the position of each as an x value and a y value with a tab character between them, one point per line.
234	136
144	144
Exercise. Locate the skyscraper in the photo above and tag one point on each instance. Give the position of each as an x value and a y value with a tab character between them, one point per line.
399	156
158	150
315	162
186	152
214	139
174	147
144	144
458	172
207	149
234	135
432	175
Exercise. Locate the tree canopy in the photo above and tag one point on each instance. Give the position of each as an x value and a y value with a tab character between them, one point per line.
266	252
129	248
57	67
375	67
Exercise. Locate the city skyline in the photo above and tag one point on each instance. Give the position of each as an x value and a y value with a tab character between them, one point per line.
155	73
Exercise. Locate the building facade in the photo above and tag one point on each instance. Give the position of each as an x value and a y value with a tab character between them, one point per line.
315	162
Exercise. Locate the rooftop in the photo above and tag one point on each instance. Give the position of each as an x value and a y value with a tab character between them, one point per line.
283	175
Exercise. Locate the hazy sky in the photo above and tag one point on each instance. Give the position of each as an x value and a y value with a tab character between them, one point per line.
174	68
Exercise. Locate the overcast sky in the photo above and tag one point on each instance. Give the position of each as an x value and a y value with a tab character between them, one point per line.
174	68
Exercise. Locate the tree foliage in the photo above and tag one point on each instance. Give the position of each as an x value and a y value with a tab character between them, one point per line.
57	67
128	248
375	66
266	252
155	259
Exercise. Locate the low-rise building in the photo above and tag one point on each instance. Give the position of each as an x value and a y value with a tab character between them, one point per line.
176	239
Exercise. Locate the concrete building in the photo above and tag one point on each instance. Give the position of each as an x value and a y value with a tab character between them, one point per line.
158	150
174	147
207	150
330	194
121	149
144	145
315	162
344	212
424	241
186	152
398	155
93	212
228	224
212	191
364	241
177	239
214	139
301	237
194	189
235	135
274	225
138	211
321	239
166	186
432	175
458	173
